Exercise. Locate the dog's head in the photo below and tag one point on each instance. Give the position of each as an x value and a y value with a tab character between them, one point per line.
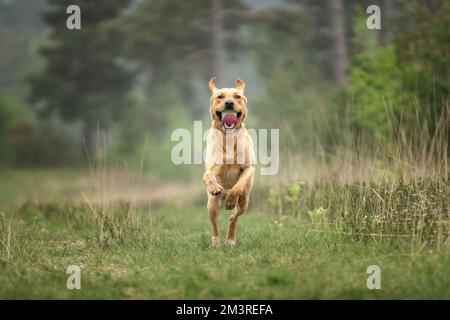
228	106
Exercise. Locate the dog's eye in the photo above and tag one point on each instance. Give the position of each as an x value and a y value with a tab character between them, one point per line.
237	96
220	97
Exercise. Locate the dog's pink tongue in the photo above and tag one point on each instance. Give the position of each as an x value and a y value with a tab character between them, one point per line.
230	119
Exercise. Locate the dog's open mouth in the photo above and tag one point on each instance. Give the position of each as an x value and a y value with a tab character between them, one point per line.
229	118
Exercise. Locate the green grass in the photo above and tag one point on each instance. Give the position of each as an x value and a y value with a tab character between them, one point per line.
19	185
164	253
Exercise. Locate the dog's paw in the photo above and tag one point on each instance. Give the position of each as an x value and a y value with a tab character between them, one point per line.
215	189
215	242
230	242
231	199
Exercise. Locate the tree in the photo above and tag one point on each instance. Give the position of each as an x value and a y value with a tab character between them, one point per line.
423	45
10	112
388	17
19	26
82	79
218	38
288	58
175	45
338	39
375	82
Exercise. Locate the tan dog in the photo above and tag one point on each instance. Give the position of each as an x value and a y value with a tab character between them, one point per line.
230	164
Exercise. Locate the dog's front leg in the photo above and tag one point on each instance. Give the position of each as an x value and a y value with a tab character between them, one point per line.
214	189
211	180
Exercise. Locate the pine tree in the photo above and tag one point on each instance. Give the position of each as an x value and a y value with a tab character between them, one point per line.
82	79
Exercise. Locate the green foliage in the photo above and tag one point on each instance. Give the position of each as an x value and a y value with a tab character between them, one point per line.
423	45
290	98
82	78
286	201
137	69
177	41
174	54
375	82
10	112
318	216
147	142
33	143
25	141
20	25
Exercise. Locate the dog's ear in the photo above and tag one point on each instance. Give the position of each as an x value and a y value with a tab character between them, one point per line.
240	84
212	84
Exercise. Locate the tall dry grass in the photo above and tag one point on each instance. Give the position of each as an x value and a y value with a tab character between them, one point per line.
394	187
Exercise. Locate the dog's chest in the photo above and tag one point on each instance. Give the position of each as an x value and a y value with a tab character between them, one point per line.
229	175
235	148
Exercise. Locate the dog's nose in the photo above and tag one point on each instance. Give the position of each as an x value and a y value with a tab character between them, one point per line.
229	104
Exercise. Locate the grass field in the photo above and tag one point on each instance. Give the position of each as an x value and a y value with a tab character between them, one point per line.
163	252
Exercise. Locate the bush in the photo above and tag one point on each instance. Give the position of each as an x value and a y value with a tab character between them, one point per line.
25	141
38	144
375	83
10	111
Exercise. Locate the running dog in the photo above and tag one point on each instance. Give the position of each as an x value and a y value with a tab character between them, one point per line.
230	165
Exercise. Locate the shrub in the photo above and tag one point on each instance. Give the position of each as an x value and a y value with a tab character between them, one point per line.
38	144
10	111
375	82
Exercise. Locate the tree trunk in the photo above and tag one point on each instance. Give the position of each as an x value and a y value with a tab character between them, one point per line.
338	41
218	38
387	17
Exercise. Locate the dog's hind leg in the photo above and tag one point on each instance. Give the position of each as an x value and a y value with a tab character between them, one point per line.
241	188
213	212
238	210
